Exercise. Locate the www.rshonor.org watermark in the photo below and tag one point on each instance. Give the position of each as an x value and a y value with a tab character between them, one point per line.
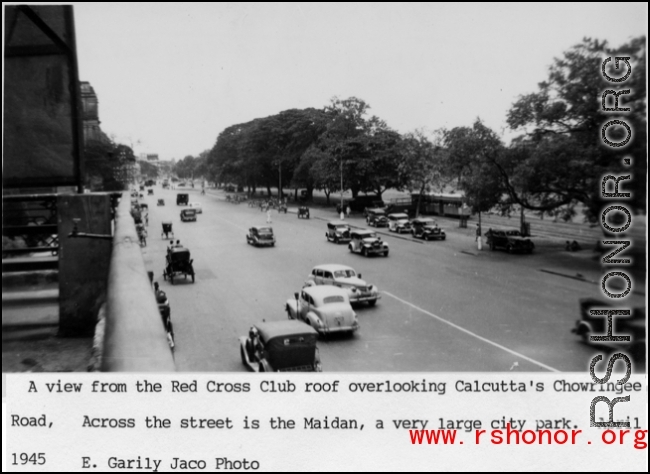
608	260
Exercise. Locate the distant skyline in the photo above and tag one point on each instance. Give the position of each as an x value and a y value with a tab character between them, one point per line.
171	77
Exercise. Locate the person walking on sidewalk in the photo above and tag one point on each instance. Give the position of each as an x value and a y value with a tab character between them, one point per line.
268	216
479	240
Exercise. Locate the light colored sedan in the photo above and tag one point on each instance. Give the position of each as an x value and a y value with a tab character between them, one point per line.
344	277
325	308
197	206
399	222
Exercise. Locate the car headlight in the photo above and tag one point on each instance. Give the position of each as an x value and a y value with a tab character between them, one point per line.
354	289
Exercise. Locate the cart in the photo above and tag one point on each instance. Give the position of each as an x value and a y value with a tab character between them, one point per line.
303	212
178	261
166	230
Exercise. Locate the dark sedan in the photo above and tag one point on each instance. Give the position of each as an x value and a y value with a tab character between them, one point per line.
509	240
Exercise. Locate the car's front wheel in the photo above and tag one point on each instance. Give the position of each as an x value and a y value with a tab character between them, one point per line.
372	302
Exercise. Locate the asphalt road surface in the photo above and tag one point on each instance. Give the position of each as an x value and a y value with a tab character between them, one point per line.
444	307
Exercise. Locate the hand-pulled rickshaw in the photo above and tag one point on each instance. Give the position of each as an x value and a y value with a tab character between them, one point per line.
167	229
178	261
303	212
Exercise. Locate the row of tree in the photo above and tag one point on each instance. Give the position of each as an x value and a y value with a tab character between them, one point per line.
556	162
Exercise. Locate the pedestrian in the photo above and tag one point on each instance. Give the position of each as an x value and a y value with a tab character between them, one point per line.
479	240
268	216
347	211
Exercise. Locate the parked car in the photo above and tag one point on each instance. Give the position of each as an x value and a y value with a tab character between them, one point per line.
182	199
399	222
188	215
361	203
344	277
150	192
197	206
325	308
260	235
280	346
377	218
161	202
596	325
427	228
337	231
510	240
367	242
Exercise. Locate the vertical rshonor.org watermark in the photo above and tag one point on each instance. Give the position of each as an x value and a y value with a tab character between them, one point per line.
614	206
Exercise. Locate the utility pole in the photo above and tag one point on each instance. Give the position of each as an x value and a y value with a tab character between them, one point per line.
342	211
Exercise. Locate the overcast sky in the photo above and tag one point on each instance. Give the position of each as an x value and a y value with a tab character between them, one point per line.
170	78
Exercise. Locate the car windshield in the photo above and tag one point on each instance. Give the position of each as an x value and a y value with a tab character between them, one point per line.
333	299
514	233
341	229
265	231
344	274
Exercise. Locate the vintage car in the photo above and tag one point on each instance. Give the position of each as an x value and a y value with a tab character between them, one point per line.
178	261
161	202
344	277
149	192
182	198
282	346
427	228
367	242
377	218
142	187
188	215
399	222
361	203
197	206
325	308
337	231
260	235
510	240
303	212
596	325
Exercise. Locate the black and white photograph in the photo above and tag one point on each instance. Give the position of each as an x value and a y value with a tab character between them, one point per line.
328	187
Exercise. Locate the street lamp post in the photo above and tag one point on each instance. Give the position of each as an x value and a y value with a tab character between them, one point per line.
342	211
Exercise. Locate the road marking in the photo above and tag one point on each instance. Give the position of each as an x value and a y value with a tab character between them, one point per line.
547	367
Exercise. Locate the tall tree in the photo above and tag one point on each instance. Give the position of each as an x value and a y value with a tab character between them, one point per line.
471	156
561	157
422	165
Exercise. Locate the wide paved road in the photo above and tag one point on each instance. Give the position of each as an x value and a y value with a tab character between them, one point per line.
441	309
